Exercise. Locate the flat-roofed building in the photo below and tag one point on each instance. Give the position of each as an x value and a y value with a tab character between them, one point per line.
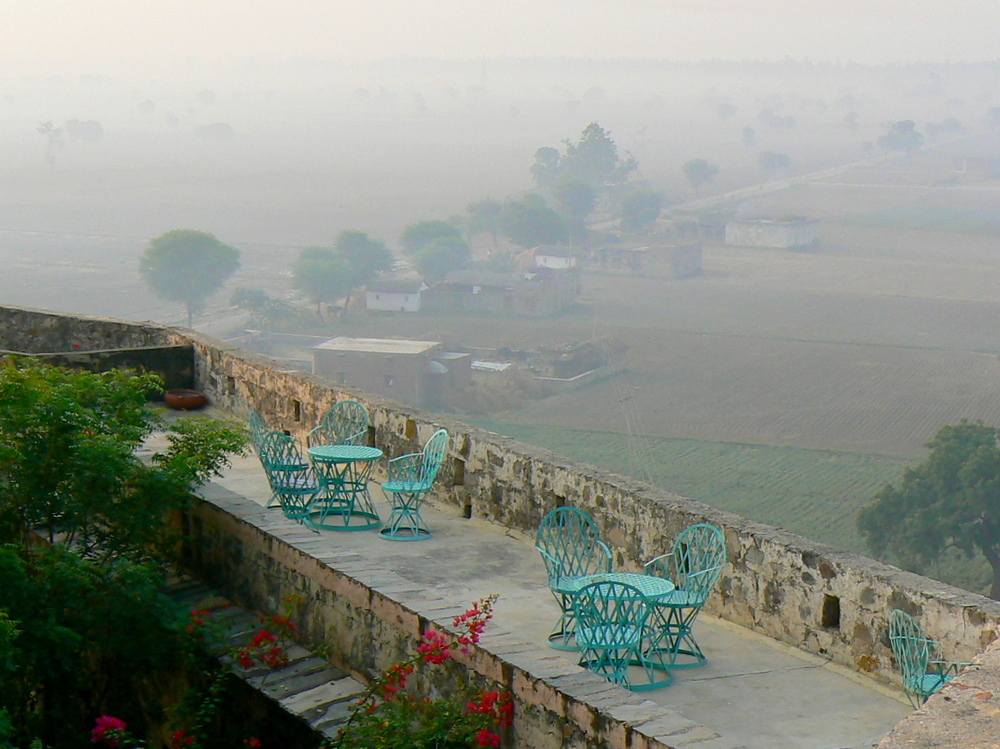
396	368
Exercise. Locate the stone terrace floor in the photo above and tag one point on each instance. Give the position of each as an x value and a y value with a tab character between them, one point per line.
754	692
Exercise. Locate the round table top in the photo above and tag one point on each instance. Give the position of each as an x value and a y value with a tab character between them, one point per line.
650	586
344	453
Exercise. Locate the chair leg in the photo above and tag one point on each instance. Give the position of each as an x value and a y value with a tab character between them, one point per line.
405	522
672	641
563	635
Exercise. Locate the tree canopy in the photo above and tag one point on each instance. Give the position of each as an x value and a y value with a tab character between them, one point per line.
639	208
902	136
417	236
699	172
322	275
482	218
771	162
950	500
575	200
365	257
439	257
529	222
188	266
593	159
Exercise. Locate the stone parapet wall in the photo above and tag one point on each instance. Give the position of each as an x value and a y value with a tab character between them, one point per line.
33	331
367	618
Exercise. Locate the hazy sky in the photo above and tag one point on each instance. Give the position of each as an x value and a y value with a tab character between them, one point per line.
82	36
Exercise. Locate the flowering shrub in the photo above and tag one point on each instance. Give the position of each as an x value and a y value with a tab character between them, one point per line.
390	717
266	648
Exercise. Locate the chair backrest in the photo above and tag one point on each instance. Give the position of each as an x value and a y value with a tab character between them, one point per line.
280	452
570	544
912	649
611	612
258	429
344	423
696	562
433	456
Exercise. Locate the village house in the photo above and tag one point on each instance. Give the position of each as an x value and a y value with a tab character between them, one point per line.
394	296
781	233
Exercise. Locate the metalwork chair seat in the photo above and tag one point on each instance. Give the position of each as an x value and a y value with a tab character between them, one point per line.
344	423
294	484
410	479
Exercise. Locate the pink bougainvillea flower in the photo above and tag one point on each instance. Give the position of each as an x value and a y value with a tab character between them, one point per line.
107	729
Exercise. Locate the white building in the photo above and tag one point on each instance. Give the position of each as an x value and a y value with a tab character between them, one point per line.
772	232
394	296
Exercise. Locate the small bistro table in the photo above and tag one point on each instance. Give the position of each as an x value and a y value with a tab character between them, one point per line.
344	500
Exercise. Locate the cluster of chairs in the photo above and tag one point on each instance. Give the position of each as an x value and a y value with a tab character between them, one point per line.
301	493
613	624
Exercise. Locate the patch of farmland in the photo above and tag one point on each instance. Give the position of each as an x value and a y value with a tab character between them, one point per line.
815	493
874	399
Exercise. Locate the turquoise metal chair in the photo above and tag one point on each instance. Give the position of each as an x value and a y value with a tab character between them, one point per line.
570	545
409	482
258	429
694	566
923	674
344	423
610	630
294	485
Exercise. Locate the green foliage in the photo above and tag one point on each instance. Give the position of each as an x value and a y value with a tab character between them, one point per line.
528	222
265	310
699	172
322	275
188	266
902	136
593	159
93	623
576	200
440	256
638	209
417	236
365	257
483	218
950	500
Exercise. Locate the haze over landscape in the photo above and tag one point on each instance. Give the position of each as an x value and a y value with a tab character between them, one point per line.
784	385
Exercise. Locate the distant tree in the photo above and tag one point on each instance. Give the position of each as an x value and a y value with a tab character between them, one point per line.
529	222
265	311
322	275
771	162
725	110
547	166
53	140
440	256
84	131
902	137
639	208
482	217
575	200
365	257
749	137
594	159
188	266
417	236
699	172
950	500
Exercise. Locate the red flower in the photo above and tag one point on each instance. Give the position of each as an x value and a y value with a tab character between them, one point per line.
180	740
486	737
108	729
434	648
253	743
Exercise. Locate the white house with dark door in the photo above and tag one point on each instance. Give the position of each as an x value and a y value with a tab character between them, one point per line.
394	296
552	256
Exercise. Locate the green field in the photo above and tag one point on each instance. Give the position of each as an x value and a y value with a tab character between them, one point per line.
815	493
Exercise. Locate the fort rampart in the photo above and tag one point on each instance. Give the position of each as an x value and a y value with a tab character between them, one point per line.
825	601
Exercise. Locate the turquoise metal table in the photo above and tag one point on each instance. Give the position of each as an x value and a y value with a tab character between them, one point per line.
344	504
652	589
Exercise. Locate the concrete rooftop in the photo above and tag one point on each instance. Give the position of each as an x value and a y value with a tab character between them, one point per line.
754	692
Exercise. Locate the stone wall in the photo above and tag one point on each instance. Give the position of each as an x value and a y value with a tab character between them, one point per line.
33	331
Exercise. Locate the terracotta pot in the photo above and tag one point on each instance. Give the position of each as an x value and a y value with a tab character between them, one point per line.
184	399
